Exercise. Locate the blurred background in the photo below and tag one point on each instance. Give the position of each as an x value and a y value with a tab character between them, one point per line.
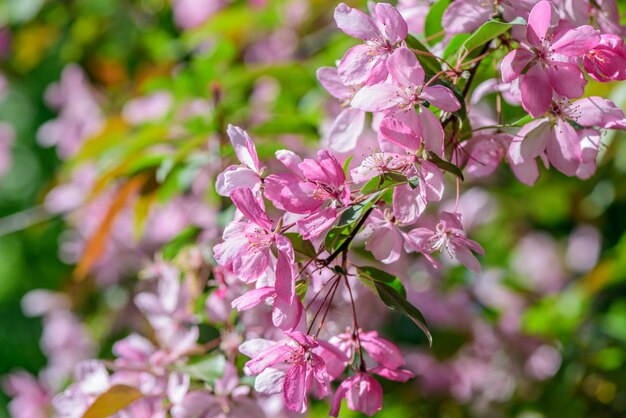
541	333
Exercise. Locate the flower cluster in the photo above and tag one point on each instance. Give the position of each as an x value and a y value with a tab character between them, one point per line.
290	280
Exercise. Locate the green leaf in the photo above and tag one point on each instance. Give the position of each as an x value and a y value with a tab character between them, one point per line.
445	165
335	237
354	212
455	44
488	31
112	401
278	125
399	303
301	245
370	274
430	63
432	25
523	121
206	369
186	237
346	165
381	182
301	288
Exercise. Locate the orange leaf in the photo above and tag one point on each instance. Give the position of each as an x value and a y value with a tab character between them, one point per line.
113	400
96	243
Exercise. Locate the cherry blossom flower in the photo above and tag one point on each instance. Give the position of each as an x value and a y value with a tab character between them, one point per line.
448	235
290	366
247	251
468	15
366	63
407	90
228	399
362	392
607	60
549	59
316	188
555	140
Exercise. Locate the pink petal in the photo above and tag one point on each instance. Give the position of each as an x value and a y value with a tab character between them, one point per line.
312	226
364	394
576	42
597	112
589	143
399	133
514	63
465	16
464	256
235	177
564	149
244	147
363	65
408	204
441	97
526	171
539	23
355	23
377	97
289	192
340	393
383	351
385	243
397	375
535	138
245	201
295	388
433	181
267	358
567	79
536	91
330	80
404	68
252	298
290	160
390	22
432	131
346	130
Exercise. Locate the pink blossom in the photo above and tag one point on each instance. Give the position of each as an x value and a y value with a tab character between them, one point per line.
607	61
316	188
362	392
448	235
248	173
290	366
247	251
468	15
366	63
481	154
227	400
384	240
31	398
555	140
550	60
79	116
381	350
406	90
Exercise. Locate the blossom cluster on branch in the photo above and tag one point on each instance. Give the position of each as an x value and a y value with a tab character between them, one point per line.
285	272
